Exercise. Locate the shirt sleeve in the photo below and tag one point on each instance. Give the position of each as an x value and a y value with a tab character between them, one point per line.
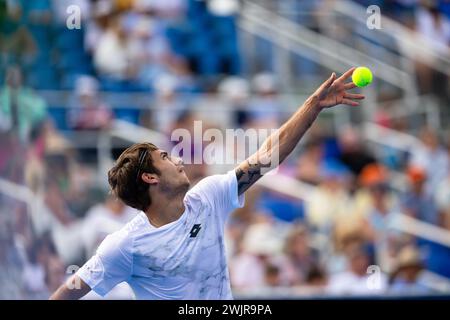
111	265
221	191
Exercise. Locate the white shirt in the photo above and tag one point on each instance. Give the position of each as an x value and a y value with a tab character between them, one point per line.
184	259
348	283
437	35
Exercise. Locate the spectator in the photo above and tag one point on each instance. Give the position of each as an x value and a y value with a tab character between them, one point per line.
432	157
168	106
88	112
55	273
433	25
260	248
317	278
301	259
272	276
355	280
416	202
378	206
310	162
408	277
36	272
330	199
121	65
442	199
154	55
20	108
242	219
435	29
102	12
265	107
12	259
236	92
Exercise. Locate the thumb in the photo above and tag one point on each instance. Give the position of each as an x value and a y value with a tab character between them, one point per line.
326	84
329	81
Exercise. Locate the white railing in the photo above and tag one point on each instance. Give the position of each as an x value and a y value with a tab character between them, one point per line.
321	49
390	137
413	45
409	107
421	229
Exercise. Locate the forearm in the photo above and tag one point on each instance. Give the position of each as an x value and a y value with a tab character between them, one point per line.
70	290
280	144
294	129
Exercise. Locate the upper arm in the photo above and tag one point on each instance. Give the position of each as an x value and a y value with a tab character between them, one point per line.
110	266
220	191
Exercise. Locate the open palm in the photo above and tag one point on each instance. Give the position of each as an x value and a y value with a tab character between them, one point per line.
334	91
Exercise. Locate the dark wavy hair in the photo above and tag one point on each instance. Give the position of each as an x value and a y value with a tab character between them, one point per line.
124	177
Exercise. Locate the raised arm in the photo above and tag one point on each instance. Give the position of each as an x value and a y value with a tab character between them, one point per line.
73	289
281	143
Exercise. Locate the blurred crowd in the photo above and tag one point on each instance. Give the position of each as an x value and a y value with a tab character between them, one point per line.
339	239
347	222
429	19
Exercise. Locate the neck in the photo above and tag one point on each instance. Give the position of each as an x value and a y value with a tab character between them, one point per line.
165	209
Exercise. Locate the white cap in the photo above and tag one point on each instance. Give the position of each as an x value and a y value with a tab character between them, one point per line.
86	85
166	84
260	238
264	82
223	7
234	88
103	8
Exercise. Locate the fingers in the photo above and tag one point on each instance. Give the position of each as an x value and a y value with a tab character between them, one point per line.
347	74
350	102
356	96
349	85
329	82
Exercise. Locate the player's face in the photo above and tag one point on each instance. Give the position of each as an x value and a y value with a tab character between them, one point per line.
173	177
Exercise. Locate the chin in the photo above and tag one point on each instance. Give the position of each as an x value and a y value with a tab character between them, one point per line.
187	183
186	179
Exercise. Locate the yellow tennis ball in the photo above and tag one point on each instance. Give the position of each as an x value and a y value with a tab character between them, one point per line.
362	76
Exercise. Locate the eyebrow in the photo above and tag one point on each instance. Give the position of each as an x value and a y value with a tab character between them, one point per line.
162	154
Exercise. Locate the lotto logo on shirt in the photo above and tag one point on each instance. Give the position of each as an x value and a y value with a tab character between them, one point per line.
195	229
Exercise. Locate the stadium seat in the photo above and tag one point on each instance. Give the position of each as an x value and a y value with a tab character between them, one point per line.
70	39
127	114
43	78
59	117
282	208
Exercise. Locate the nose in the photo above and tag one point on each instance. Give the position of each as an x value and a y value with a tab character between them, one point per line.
178	161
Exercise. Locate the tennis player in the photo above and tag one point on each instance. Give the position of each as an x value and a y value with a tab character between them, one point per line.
174	247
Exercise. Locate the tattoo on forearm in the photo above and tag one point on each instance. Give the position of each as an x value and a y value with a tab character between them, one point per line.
246	178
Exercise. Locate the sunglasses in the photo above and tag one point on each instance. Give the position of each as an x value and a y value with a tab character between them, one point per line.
142	157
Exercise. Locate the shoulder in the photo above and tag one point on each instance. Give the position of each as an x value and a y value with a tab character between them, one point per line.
117	241
122	241
210	186
215	182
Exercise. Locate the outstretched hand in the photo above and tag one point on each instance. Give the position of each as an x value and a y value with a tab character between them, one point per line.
335	91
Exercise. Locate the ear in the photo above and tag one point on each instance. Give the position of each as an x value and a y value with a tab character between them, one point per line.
150	178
